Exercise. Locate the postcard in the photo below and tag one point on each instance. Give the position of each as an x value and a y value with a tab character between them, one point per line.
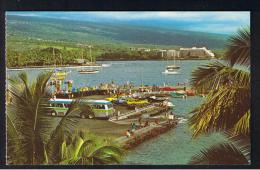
128	88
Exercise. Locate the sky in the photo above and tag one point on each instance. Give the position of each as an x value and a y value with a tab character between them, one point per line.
212	22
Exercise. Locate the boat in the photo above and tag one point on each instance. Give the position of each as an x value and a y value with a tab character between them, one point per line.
157	99
106	65
178	94
59	75
111	99
137	102
172	69
168	104
170	72
190	93
88	71
174	66
168	88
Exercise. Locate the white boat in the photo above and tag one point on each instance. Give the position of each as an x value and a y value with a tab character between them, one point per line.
174	66
106	65
91	70
88	71
170	72
172	69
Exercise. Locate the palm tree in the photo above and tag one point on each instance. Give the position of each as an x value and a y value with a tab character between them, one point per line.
227	106
26	114
83	148
29	140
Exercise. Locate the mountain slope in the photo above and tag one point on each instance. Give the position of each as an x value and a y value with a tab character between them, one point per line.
92	32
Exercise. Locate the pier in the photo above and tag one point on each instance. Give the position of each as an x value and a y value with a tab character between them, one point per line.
145	133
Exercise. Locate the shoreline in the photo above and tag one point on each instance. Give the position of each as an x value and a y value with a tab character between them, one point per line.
49	67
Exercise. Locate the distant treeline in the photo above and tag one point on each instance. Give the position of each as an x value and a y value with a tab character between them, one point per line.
64	56
130	56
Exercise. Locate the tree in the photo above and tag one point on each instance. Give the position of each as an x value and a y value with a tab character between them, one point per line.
227	106
28	127
84	148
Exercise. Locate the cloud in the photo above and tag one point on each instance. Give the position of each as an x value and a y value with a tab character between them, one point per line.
205	21
220	16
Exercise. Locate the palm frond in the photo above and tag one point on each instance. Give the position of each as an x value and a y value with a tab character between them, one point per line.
243	125
219	154
241	142
28	111
62	131
213	75
222	110
85	148
238	48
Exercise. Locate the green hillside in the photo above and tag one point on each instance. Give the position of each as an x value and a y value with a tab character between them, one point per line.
90	32
29	37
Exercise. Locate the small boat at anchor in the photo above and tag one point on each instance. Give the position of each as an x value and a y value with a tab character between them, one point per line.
172	69
157	99
170	72
59	74
88	71
178	94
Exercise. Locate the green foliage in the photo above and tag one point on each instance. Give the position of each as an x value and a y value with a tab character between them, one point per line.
227	106
83	148
239	48
29	38
228	103
30	135
104	33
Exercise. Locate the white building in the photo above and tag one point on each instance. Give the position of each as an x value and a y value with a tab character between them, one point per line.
172	54
195	52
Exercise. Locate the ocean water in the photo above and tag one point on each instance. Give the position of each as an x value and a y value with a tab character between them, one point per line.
176	147
136	72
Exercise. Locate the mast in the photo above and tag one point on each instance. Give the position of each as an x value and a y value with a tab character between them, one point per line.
174	58
90	54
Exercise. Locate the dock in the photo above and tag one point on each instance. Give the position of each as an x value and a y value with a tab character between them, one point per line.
150	110
145	133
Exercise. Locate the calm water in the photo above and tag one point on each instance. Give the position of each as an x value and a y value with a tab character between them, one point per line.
172	148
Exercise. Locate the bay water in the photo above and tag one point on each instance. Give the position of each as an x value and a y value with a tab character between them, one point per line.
175	147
